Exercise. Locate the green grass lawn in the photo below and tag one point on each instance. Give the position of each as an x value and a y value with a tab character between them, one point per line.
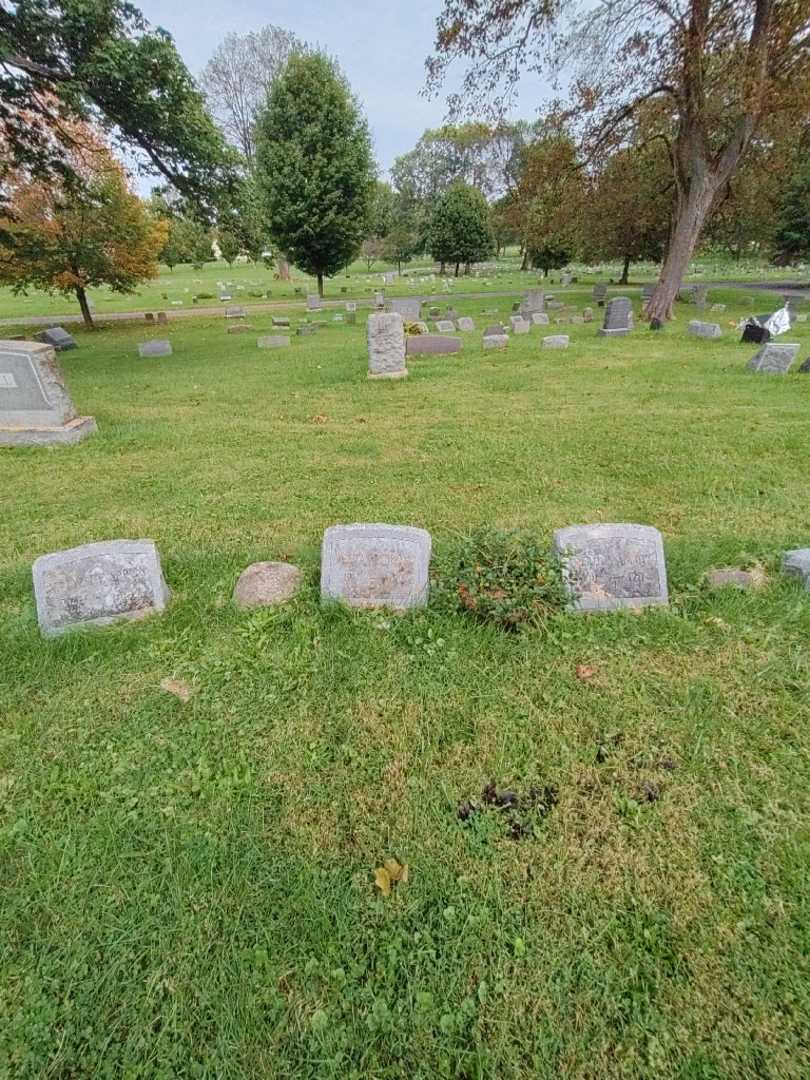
188	889
255	284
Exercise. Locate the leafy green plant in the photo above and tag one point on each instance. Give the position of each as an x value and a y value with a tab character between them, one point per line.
505	578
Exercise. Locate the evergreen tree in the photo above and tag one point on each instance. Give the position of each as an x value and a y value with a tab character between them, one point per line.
793	232
459	228
315	168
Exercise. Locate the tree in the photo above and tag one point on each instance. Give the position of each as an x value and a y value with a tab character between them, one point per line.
380	222
238	77
548	202
720	66
459	228
315	168
793	230
229	246
629	207
73	237
68	61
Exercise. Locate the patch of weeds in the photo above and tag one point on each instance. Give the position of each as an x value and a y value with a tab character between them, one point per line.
506	813
504	578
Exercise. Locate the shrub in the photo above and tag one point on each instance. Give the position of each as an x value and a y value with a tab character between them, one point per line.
505	578
205	296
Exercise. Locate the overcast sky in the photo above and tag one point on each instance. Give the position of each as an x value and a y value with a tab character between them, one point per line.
380	46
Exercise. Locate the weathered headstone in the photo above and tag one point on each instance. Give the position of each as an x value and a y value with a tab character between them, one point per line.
495	337
587	315
273	341
280	320
372	566
700	292
409	308
306	330
599	294
612	566
618	317
314	303
97	584
565	278
533	301
162	318
718	307
427	344
773	359
647	293
539	318
386	346
465	324
154	348
445	326
239	328
556	341
235	312
149	316
554	305
796	563
704	329
35	407
57	337
519	324
351	305
379	299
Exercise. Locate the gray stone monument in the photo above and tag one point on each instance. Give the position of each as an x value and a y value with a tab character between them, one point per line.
773	359
351	305
495	337
704	329
618	317
35	407
314	303
556	341
149	316
273	341
154	348
796	563
533	301
539	318
235	312
445	326
372	566
599	294
97	584
428	344
280	320
587	314
386	346
612	566
58	337
465	324
162	318
409	308
520	325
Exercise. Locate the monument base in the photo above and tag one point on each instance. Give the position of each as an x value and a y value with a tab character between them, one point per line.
72	432
388	375
614	333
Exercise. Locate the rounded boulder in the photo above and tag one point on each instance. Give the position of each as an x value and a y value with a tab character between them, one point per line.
265	583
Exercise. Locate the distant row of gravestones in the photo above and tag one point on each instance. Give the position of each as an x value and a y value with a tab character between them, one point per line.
605	567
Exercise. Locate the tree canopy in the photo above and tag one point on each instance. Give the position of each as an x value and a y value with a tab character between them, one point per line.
315	168
459	228
64	61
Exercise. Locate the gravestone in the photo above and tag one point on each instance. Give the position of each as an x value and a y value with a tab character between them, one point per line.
796	563
466	324
427	344
351	305
409	308
265	584
704	329
97	584
773	359
587	315
612	566
599	294
149	316
452	314
495	337
273	341
539	318
379	299
58	337
618	317
370	566
35	407
280	320
445	326
519	324
386	346
235	312
154	348
162	318
718	307
647	293
240	328
556	341
565	279
699	293
533	301
306	330
554	305
314	303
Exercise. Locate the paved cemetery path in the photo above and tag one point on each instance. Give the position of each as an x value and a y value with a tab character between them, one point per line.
197	311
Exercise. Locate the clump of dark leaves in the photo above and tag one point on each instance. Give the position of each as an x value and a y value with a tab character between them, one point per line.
520	813
505	578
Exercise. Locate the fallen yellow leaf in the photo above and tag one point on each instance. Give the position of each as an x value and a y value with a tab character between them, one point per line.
382	880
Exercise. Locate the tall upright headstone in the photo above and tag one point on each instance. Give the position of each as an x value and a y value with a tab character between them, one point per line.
533	301
408	307
599	294
386	346
618	317
35	407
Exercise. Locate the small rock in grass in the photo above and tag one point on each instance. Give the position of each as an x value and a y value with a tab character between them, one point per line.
180	689
265	583
741	579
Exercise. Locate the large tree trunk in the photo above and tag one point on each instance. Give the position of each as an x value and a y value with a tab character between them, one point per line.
693	209
525	262
320	284
81	296
457	266
625	271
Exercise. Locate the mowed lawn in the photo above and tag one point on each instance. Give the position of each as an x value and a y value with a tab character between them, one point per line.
188	889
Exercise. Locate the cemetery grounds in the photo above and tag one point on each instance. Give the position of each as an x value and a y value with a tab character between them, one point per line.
189	887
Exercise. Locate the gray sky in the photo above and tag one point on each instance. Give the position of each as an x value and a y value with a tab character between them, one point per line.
380	46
